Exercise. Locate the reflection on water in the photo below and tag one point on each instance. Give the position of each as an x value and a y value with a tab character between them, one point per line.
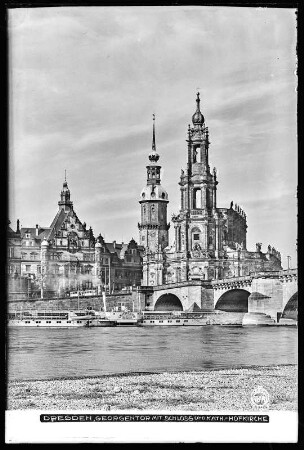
35	353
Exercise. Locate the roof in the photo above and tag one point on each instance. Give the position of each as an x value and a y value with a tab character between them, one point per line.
57	222
42	232
114	247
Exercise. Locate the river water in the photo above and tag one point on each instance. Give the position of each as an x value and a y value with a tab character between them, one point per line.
44	353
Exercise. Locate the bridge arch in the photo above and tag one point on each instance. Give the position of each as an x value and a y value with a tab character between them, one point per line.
234	300
168	302
291	308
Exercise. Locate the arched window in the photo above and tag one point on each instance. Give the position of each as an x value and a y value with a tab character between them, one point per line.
196	153
197	198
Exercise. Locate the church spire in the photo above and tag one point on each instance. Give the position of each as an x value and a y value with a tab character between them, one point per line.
153	156
153	139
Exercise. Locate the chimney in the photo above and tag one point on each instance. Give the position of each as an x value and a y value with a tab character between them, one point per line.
37	230
114	244
18	226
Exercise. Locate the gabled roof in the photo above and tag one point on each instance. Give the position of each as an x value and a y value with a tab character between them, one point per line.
57	222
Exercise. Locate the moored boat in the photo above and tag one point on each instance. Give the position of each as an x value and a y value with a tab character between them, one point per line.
101	322
125	318
173	318
50	318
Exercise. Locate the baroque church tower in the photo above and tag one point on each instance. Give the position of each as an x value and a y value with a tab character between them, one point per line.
201	229
209	242
153	229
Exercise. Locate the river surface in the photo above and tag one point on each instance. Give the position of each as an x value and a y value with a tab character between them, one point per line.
44	353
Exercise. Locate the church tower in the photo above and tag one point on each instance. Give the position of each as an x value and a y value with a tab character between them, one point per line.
65	202
195	226
153	228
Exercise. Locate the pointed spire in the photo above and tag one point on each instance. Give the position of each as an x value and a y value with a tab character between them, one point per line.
153	156
198	101
65	184
153	140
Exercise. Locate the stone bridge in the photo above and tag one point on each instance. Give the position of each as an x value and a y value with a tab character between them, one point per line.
273	293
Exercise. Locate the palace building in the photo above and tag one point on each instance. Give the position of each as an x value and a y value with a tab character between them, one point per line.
64	257
209	241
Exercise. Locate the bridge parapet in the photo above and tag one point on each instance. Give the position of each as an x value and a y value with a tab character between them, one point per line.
179	284
287	273
232	283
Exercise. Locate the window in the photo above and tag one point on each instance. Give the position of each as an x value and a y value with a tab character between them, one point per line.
178	321
48	321
69	321
27	321
196	237
196	153
197	199
11	252
58	321
27	235
28	268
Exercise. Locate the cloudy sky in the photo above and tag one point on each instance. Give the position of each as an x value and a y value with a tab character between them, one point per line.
85	81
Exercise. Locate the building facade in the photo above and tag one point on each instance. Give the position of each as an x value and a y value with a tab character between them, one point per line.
55	260
209	242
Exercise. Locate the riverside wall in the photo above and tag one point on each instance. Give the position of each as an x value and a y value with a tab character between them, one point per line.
120	301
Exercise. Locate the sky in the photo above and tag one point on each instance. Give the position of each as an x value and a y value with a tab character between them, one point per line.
85	81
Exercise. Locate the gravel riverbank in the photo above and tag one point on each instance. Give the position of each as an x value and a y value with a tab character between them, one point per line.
190	391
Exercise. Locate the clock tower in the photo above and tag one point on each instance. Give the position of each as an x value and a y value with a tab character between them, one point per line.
153	228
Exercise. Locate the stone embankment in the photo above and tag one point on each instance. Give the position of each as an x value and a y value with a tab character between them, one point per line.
190	391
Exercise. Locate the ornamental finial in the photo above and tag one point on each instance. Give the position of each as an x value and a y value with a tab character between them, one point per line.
198	101
153	140
198	118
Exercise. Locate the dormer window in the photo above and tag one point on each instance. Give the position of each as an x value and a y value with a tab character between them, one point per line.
27	235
